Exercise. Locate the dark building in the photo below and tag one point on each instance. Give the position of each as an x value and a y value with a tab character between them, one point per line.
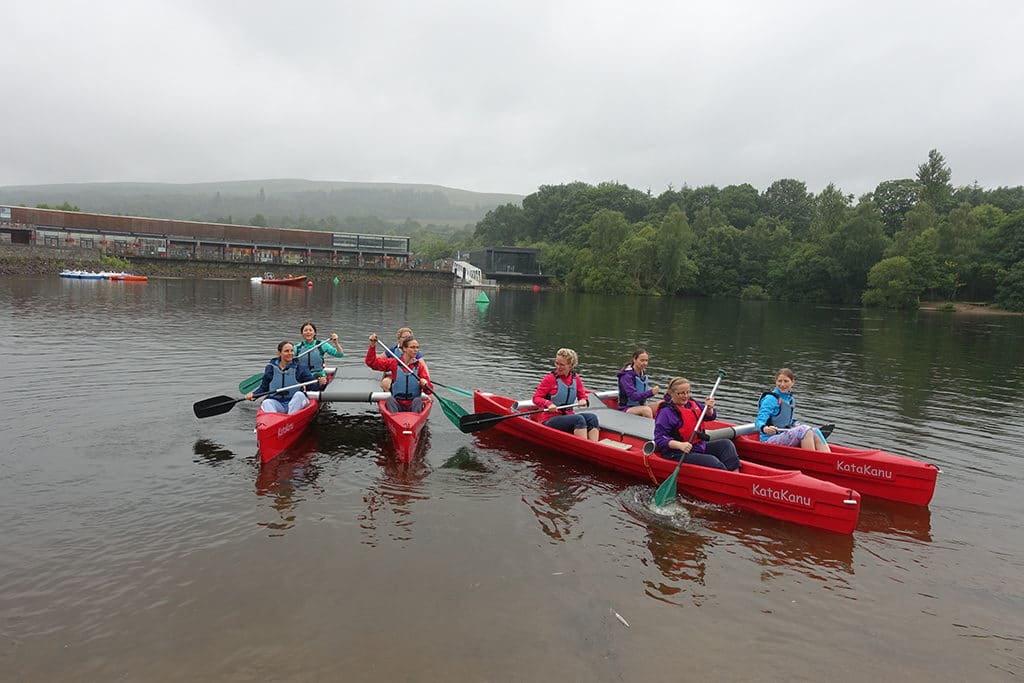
506	260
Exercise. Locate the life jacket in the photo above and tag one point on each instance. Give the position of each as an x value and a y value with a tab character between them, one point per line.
406	385
284	378
565	394
314	360
783	418
689	413
640	385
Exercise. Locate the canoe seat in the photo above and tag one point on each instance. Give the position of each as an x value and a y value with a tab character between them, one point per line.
616	444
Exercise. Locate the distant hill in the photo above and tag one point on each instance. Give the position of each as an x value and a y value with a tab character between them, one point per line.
282	202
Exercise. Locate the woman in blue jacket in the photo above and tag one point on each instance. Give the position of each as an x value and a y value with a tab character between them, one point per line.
775	422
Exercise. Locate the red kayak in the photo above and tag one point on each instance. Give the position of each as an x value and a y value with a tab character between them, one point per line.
405	428
872	472
277	431
787	495
294	281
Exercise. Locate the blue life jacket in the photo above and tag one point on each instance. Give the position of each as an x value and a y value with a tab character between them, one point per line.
284	378
565	394
640	385
406	386
783	418
314	360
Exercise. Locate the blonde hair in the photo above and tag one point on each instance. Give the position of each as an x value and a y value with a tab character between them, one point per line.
402	331
675	382
570	356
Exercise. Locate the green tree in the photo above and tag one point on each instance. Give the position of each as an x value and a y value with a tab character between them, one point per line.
855	247
675	271
258	220
718	255
503	226
934	176
739	203
890	284
831	209
790	202
894	199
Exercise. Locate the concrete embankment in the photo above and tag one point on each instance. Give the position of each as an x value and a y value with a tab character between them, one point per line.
32	260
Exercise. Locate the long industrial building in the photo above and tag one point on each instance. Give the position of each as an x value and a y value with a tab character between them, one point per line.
156	237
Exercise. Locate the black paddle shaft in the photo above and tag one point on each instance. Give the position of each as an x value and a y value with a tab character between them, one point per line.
218	405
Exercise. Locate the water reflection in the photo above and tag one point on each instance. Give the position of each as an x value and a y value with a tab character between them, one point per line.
886	517
288	480
390	498
211	453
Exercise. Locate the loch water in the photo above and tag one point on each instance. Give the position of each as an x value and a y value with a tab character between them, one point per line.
140	543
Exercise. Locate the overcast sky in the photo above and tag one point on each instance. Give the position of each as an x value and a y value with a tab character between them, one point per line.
507	96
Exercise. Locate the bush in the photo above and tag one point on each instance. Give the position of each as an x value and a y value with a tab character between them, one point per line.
754	293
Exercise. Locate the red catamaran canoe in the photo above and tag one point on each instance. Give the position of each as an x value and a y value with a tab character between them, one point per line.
294	281
787	495
870	472
405	428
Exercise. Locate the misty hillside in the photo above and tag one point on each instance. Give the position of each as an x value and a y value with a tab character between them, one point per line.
283	203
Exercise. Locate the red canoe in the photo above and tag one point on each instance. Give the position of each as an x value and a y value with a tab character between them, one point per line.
872	472
277	431
405	428
294	281
787	495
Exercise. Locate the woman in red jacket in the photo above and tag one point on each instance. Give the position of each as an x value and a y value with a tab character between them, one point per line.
409	378
564	387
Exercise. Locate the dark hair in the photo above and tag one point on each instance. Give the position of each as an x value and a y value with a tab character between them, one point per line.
636	354
281	345
303	326
408	340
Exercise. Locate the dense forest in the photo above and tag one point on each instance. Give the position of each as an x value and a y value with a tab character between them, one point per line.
910	239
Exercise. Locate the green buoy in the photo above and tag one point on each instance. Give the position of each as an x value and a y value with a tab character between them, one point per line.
482	299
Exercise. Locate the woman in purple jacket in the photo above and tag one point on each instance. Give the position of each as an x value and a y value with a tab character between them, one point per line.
634	386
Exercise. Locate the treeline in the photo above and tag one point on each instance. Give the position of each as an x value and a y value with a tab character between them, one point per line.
910	239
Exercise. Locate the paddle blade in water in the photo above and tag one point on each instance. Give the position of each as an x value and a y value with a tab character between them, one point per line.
666	493
452	410
250	384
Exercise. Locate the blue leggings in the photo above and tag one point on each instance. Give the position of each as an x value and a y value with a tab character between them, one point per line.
719	454
572	422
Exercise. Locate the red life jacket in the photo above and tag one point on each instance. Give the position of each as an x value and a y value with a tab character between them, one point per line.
689	413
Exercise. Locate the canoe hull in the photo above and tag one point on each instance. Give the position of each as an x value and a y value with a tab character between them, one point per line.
405	428
275	432
780	494
873	473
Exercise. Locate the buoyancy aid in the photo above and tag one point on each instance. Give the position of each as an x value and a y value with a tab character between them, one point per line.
783	418
406	386
284	378
314	360
566	393
689	413
640	385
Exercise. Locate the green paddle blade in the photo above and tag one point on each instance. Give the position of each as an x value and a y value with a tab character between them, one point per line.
452	410
666	493
251	384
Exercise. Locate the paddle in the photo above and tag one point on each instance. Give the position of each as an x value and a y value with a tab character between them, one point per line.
253	383
219	405
478	421
667	490
452	410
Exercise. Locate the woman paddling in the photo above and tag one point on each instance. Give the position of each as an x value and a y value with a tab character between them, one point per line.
634	386
396	351
673	430
407	388
280	372
564	387
311	351
775	421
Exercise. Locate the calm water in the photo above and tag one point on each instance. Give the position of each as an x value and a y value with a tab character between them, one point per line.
142	544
